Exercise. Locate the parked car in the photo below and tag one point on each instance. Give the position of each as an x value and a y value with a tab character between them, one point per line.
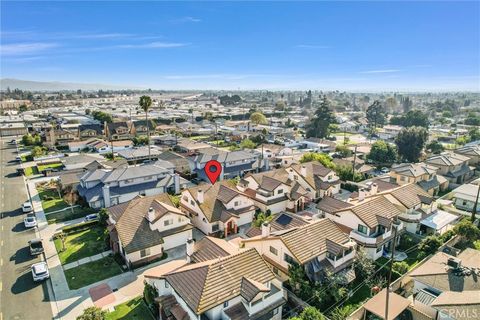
27	207
385	170
13	142
91	217
36	246
18	159
40	271
30	220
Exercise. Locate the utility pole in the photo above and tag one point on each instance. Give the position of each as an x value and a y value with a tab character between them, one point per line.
354	163
474	211
389	280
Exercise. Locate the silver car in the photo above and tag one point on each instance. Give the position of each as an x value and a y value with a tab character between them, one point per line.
40	271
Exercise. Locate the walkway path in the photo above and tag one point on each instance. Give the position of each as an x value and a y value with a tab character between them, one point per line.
86	260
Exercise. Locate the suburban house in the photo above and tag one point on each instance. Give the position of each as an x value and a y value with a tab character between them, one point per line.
369	222
275	191
422	174
105	188
190	147
142	229
209	248
87	131
102	146
234	163
315	178
320	247
318	145
122	130
449	284
138	155
389	132
454	167
217	208
80	161
181	164
472	152
464	197
275	154
360	165
141	128
234	287
59	137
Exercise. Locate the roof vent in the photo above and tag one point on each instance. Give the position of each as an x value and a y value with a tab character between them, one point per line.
151	214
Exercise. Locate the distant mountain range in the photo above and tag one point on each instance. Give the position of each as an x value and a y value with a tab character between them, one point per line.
57	86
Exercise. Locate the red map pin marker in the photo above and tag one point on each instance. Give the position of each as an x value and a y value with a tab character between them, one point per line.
213	168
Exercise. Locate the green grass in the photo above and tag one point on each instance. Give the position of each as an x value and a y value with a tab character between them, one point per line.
56	203
30	171
82	244
53	166
196	138
91	272
131	310
67	215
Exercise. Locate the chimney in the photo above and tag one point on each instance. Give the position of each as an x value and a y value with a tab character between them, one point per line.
200	198
303	171
373	189
265	229
190	246
290	174
151	214
106	196
361	194
176	182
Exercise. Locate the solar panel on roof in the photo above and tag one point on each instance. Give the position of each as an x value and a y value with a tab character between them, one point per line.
284	220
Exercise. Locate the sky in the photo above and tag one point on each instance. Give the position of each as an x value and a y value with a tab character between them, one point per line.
374	46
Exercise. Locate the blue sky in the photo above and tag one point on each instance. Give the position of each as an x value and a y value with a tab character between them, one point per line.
251	45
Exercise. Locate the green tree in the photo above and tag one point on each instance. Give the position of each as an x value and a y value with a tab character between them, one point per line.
435	147
258	118
93	313
319	126
323	158
260	218
430	244
474	134
22	108
391	103
145	103
248	144
309	313
376	116
400	267
364	266
37	151
103	216
342	313
345	173
343	150
88	111
413	118
149	294
382	153
467	230
410	143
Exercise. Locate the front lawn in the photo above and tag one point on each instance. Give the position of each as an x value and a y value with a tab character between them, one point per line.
30	171
91	272
66	215
51	201
82	244
41	168
130	310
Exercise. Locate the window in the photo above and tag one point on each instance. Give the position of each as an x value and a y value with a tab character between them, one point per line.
288	259
236	204
144	252
275	311
167	285
362	229
329	177
295	177
192	202
275	270
168	222
280	191
274	250
225	304
379	249
185	198
215	227
464	202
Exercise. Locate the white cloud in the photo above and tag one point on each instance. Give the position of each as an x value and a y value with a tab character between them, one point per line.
381	71
25	48
152	45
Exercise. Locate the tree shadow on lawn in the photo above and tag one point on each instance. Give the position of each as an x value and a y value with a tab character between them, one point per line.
90	243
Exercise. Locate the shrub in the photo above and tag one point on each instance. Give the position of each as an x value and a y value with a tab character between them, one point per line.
400	267
430	244
79	226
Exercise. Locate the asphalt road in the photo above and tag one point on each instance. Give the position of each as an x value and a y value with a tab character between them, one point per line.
20	297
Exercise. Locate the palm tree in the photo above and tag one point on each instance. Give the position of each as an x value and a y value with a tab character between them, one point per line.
145	103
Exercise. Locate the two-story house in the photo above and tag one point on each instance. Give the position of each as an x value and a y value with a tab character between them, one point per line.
472	152
233	287
88	131
315	178
320	247
141	128
277	155
389	132
454	167
142	229
234	163
275	191
369	222
59	137
217	208
422	174
108	187
121	130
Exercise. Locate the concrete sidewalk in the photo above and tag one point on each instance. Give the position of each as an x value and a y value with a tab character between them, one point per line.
71	303
86	260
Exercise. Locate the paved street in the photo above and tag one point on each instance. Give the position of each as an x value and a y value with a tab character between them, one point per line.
20	297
